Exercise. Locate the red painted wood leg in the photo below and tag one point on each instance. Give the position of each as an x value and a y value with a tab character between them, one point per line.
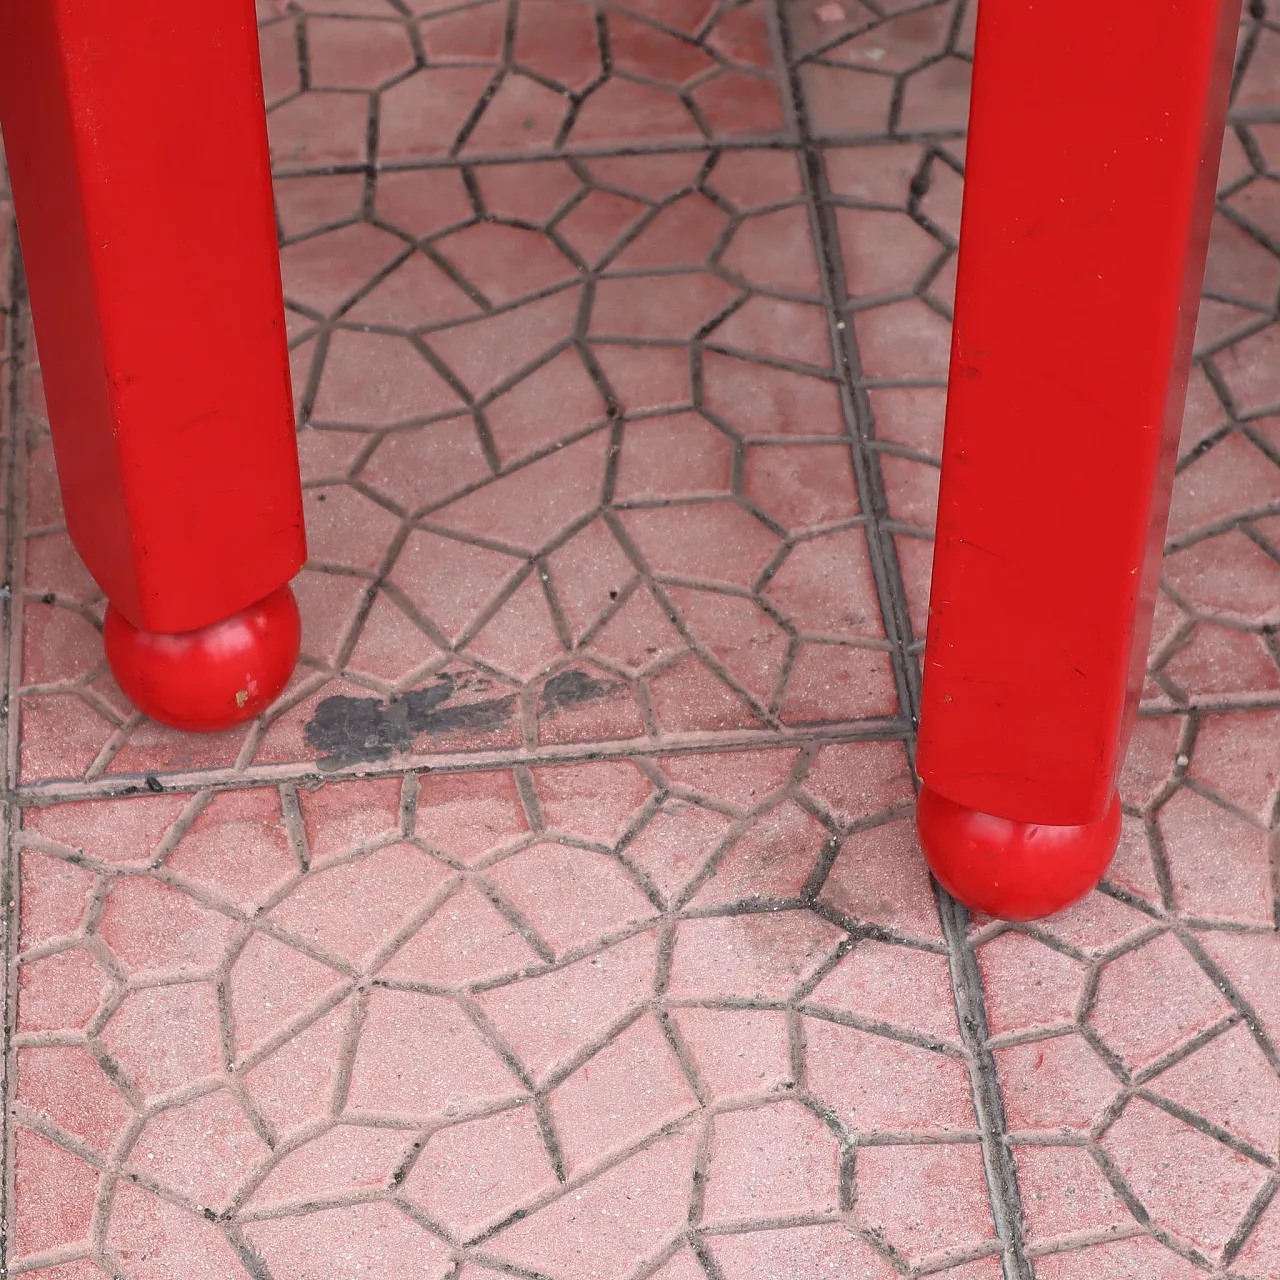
136	140
1093	149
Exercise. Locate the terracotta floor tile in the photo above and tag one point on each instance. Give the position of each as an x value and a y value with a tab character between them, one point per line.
164	1037
846	101
1063	1191
1208	886
293	1085
675	845
624	959
1187	1001
924	1199
68	1086
830	1249
1191	1184
316	911
776	858
736	102
54	897
375	460
54	1193
850	1073
644	1199
1262	1249
742	779
630	1089
344	1159
202	1151
754	957
780	402
547	90
348	1242
550	1017
147	1231
882	779
879	877
1231	1084
1140	1257
770	1162
898	986
62	991
1098	924
736	1053
473	1174
1057	1083
208	1149
884	252
570	896
270	986
1028	984
583	705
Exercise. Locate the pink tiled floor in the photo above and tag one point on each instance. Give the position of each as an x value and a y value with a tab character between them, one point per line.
565	919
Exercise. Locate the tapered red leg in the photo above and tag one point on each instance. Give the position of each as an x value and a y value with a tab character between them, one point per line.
136	140
1095	132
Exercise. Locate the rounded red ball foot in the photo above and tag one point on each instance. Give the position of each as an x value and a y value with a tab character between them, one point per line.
211	678
1014	870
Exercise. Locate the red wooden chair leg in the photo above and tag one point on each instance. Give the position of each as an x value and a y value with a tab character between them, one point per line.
137	149
1095	131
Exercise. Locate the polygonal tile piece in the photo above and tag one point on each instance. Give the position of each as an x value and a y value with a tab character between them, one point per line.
1173	994
349	1243
770	1162
163	1037
419	1056
1190	1183
610	1224
874	1084
345	1159
924	1199
631	1088
202	1150
473	1174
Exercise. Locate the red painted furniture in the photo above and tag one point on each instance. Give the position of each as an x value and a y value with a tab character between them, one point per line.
138	157
136	141
1094	137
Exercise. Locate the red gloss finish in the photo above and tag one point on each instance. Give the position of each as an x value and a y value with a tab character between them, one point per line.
1093	150
137	149
1015	870
212	678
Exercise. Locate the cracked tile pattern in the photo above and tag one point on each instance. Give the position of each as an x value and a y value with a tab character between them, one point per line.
352	82
620	336
1134	1036
640	1013
576	471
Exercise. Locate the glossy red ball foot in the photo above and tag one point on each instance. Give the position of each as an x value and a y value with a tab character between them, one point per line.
212	678
1014	870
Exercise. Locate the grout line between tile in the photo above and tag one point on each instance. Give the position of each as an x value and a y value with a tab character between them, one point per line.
35	795
9	882
865	464
988	1101
759	142
967	989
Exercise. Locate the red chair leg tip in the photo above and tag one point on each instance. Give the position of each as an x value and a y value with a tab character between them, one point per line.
1014	870
212	678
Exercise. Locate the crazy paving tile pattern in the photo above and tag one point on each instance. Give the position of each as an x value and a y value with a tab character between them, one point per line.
565	920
